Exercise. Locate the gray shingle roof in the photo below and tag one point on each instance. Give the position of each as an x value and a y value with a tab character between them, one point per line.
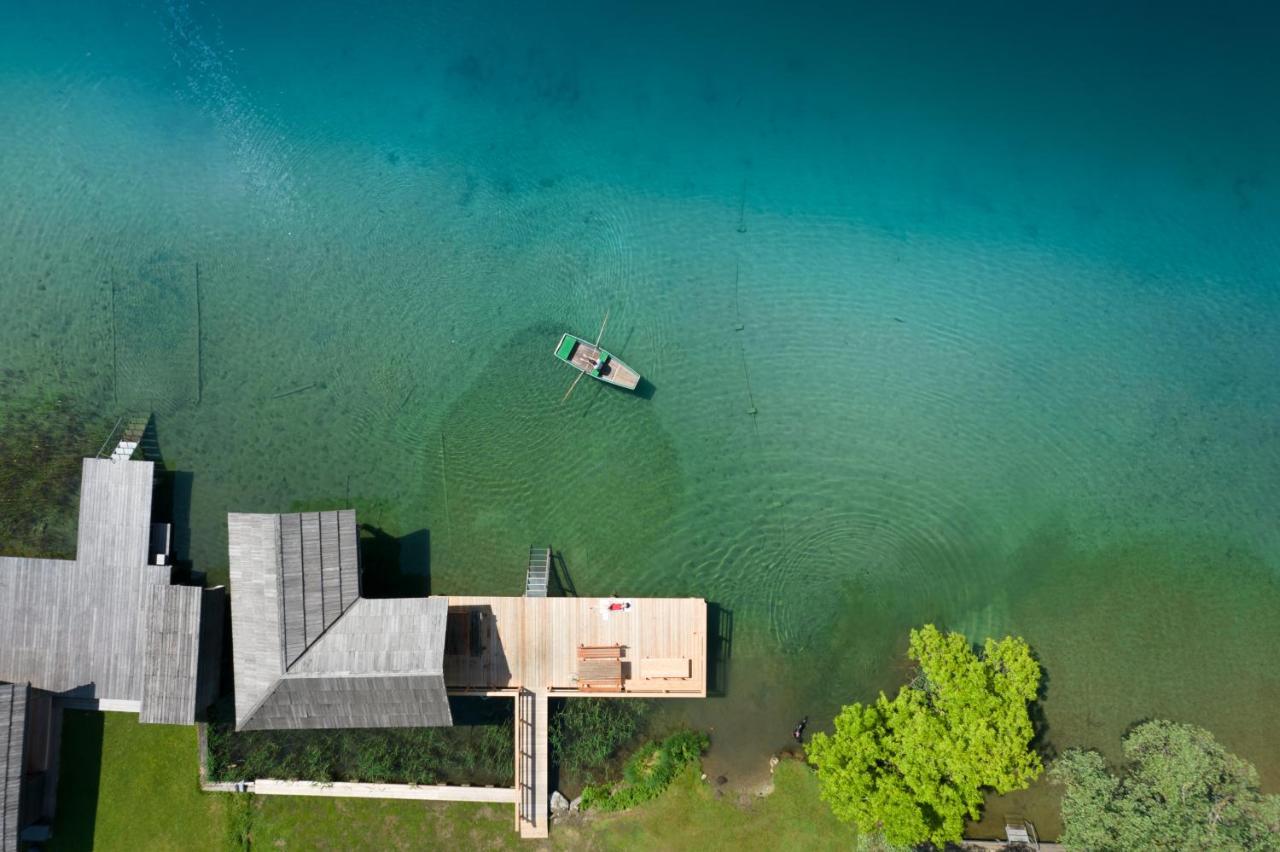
83	627
171	657
310	653
13	725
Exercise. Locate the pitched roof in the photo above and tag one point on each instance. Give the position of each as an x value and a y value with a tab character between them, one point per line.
308	651
13	725
171	655
84	627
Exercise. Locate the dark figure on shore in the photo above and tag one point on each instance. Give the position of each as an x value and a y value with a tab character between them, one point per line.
798	733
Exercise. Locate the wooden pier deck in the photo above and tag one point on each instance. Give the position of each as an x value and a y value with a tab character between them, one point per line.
531	649
502	644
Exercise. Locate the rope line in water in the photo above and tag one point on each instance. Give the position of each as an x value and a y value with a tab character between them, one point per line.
115	361
742	209
746	372
199	344
444	477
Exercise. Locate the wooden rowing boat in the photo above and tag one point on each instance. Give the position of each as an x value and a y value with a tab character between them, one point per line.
584	356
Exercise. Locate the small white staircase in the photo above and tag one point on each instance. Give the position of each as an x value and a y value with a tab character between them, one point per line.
126	439
538	575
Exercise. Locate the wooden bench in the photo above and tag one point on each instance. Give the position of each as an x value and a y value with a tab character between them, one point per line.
600	668
656	668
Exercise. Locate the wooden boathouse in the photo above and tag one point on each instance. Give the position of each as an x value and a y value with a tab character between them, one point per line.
309	652
106	630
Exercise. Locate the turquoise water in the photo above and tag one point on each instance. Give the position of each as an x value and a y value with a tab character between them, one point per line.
965	316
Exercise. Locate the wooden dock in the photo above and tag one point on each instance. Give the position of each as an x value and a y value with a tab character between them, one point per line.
497	645
532	649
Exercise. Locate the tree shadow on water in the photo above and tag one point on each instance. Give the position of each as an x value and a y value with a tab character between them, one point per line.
1040	742
394	567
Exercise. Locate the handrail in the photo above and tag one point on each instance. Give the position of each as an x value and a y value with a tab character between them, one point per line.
110	435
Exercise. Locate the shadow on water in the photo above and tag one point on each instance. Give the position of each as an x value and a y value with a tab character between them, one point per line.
561	581
521	464
171	504
79	774
394	567
719	647
478	710
1040	741
646	389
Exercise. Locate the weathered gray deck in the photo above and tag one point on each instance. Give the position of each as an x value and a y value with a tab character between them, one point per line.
13	723
82	627
172	654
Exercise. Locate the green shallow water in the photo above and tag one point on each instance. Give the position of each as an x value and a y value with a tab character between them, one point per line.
986	348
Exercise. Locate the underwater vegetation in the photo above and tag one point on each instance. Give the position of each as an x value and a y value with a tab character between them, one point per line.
43	437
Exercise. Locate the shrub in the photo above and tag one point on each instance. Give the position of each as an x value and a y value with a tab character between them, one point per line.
648	772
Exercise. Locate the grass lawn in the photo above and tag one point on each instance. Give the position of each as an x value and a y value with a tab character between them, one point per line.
689	816
129	786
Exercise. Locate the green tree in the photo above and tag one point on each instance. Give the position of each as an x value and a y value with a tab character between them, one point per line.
914	767
1180	790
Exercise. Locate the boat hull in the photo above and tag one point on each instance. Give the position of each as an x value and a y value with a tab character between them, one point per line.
582	355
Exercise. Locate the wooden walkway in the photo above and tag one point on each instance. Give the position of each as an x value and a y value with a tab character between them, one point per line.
532	795
348	790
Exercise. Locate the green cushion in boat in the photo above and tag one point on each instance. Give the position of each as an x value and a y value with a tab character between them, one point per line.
566	347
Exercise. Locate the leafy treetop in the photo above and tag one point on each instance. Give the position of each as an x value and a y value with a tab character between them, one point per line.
912	768
1180	790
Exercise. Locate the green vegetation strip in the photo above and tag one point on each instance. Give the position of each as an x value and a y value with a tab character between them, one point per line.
478	754
143	794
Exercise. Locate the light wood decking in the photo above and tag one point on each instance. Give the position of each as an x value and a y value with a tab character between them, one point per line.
532	643
534	649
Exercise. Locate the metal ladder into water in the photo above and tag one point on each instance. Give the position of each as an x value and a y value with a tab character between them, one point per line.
538	575
128	437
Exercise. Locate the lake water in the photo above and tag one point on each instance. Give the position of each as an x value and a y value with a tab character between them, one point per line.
953	313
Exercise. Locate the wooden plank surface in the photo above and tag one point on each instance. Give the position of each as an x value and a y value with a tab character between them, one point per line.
532	806
291	581
312	577
533	643
352	790
331	567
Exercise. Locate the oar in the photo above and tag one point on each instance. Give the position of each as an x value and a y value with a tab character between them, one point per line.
602	325
584	372
572	386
